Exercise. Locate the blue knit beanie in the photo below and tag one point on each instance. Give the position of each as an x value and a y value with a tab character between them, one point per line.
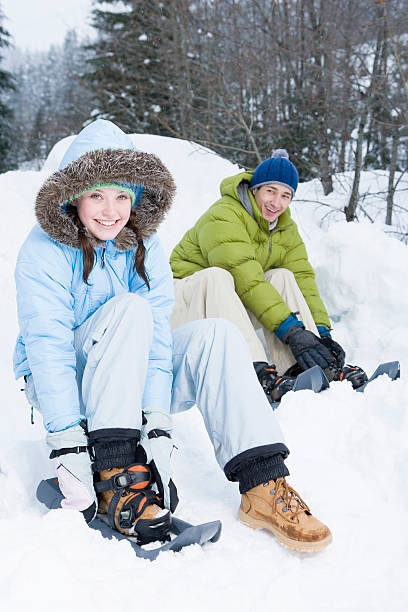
276	169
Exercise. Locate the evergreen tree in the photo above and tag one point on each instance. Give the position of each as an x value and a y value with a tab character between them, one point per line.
6	84
75	100
128	68
51	100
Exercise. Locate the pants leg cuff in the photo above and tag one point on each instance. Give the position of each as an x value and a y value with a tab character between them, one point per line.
260	471
113	448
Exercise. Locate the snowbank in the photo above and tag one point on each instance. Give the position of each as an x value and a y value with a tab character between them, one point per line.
349	451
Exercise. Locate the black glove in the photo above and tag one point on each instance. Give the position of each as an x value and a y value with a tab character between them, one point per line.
335	349
307	348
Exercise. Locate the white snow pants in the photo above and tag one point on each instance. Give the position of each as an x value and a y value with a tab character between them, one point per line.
212	368
211	293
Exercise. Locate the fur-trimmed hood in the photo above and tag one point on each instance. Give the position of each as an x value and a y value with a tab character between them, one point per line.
102	153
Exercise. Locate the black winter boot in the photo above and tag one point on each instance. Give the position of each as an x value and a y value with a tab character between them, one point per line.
274	386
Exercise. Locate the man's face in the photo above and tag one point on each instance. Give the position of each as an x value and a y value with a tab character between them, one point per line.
272	200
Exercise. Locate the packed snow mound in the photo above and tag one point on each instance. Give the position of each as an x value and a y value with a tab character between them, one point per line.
349	451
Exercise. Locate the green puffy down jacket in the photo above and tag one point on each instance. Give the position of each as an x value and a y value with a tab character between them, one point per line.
229	236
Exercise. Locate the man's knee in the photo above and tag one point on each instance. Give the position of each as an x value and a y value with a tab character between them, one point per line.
219	277
281	275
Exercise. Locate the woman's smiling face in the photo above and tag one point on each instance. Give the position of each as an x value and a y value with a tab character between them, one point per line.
104	211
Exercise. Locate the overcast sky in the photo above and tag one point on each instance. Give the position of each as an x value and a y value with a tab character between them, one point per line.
37	24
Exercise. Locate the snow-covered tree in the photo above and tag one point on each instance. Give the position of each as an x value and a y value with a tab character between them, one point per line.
6	84
128	71
51	99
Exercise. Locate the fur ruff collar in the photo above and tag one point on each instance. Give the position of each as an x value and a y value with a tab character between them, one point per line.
104	166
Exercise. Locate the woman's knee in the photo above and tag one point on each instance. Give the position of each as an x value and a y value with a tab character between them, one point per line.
130	305
206	333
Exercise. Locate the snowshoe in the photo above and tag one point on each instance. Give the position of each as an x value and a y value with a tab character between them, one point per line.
184	533
313	379
391	368
359	378
318	380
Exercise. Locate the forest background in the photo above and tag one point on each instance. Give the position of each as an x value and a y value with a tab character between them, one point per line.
326	80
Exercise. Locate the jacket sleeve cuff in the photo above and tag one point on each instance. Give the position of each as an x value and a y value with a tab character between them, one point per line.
286	325
324	331
62	423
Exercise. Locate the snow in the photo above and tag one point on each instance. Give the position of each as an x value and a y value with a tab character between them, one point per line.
349	451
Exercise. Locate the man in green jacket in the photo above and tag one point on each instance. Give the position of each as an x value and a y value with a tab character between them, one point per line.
245	261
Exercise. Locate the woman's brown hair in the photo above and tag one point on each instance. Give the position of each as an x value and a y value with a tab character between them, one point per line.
88	252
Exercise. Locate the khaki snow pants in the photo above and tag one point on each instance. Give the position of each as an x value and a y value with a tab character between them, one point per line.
211	293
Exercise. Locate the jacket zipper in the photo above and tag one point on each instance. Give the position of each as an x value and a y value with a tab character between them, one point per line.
106	271
269	250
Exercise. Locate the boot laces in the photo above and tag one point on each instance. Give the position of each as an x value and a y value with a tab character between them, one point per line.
284	493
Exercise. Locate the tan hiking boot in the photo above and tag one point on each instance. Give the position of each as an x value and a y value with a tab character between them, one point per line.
277	507
141	508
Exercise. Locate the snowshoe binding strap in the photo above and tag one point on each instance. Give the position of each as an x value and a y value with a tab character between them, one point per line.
274	386
282	385
67	451
135	477
354	374
151	529
135	508
156	433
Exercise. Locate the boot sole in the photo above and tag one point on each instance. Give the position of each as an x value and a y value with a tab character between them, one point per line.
293	544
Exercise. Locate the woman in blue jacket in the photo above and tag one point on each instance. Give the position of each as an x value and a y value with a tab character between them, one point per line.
94	297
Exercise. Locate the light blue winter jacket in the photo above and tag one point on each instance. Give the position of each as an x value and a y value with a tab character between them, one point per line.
52	297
